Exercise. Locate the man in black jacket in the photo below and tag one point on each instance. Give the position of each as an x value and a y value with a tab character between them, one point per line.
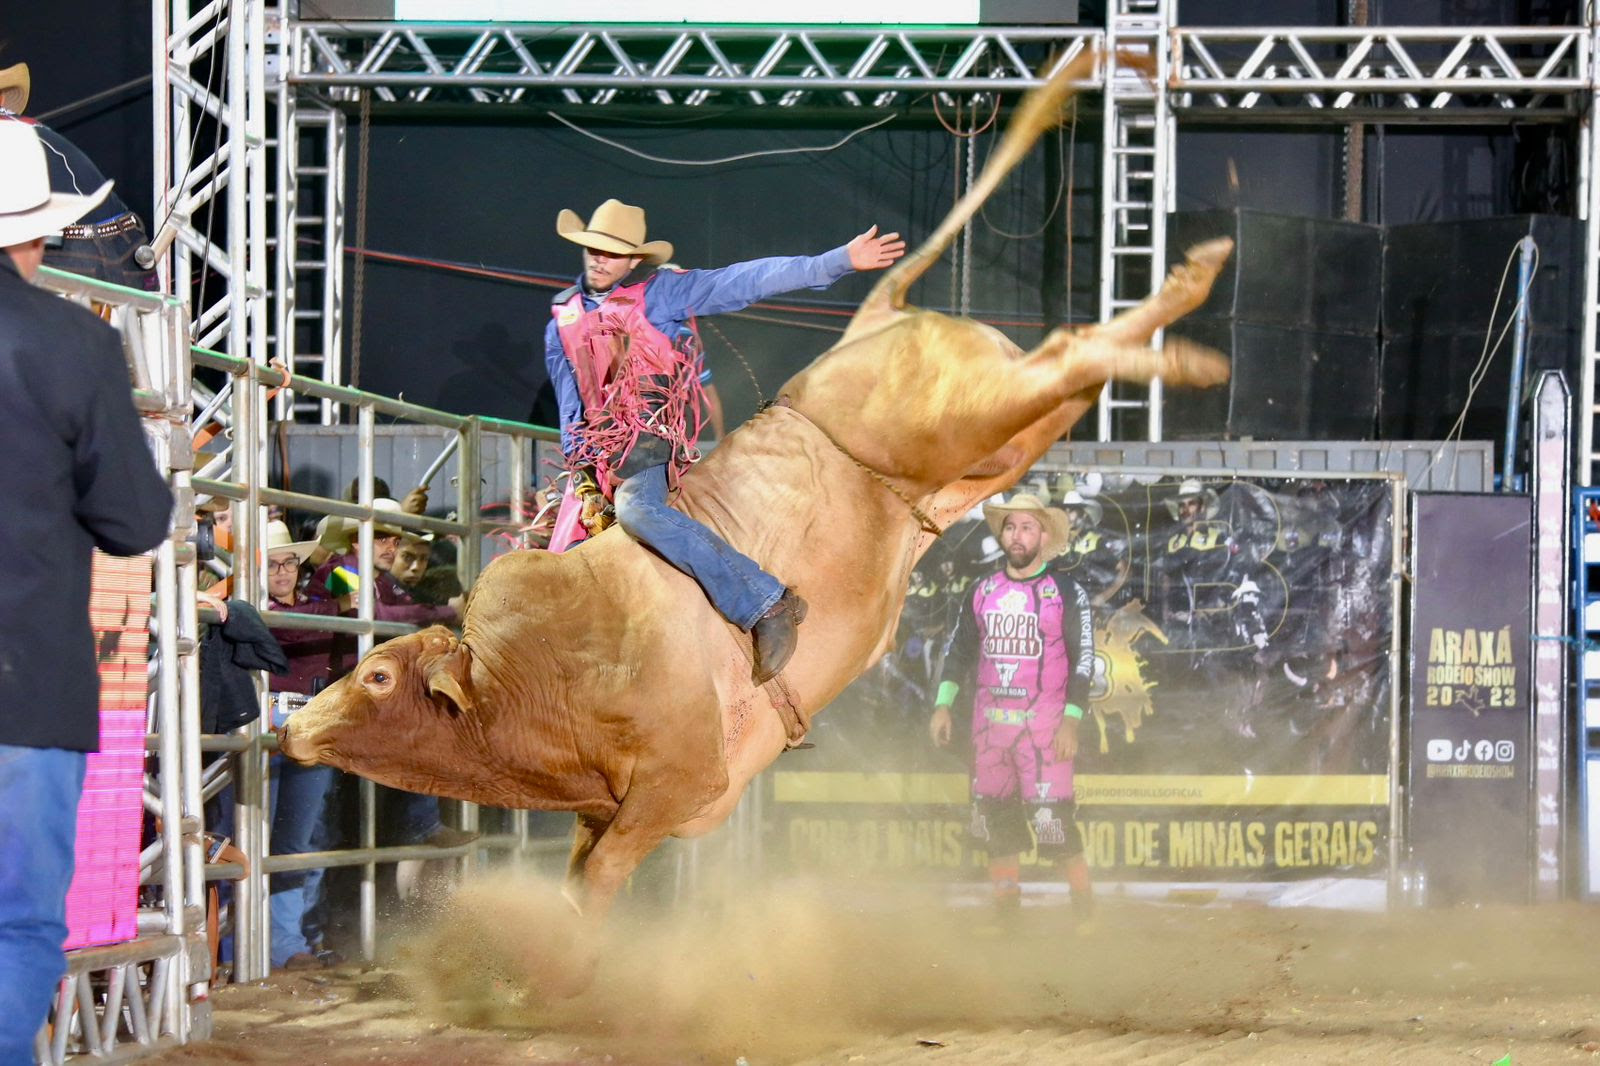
76	475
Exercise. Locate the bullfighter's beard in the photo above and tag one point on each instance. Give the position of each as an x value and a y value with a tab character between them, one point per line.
1020	562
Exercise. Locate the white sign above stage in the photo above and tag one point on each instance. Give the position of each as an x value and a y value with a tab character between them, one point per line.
714	12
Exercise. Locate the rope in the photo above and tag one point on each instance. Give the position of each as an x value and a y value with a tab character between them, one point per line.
1064	184
966	230
761	396
841	142
359	274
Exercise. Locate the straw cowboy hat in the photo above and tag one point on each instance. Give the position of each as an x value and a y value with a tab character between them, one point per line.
28	209
1189	488
1054	520
278	540
14	86
333	529
614	227
1093	508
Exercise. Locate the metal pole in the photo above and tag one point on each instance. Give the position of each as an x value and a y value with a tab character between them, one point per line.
252	931
1549	481
365	609
1509	482
469	497
437	465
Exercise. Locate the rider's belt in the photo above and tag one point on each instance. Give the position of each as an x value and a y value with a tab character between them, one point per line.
120	224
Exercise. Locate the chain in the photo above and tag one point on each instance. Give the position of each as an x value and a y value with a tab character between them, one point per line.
927	524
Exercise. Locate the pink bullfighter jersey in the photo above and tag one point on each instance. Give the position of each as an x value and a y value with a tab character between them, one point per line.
1032	644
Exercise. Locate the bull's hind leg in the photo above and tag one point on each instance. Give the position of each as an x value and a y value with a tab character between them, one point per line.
1185	288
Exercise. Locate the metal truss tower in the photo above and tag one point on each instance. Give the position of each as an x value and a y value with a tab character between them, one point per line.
1279	75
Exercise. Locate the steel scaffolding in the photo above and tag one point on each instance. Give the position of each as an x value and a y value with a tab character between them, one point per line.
1300	75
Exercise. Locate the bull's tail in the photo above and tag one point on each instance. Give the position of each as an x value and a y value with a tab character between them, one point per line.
1039	111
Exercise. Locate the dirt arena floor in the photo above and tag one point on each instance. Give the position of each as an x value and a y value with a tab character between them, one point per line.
797	975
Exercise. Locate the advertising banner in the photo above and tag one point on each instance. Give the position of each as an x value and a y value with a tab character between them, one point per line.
1239	724
1468	815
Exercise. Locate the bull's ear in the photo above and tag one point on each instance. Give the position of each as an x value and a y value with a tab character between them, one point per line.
449	678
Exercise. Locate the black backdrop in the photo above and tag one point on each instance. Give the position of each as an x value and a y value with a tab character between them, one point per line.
465	190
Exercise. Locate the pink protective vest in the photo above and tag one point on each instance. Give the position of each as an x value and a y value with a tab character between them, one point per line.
613	351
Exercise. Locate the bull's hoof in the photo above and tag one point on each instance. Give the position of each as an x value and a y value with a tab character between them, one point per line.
775	636
1210	255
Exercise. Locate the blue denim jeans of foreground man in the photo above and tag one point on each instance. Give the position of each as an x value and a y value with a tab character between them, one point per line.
739	589
39	790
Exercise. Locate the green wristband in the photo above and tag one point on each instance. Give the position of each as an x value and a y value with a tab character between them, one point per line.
1073	711
947	694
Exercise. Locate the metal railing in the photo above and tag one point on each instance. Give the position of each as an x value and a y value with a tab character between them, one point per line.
240	477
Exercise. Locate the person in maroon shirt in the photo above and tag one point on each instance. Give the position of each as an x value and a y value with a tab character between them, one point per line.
415	816
392	601
299	794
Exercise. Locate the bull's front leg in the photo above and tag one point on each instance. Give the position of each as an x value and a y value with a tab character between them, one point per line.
585	836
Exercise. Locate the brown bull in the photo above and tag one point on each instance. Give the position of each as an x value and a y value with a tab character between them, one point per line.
602	682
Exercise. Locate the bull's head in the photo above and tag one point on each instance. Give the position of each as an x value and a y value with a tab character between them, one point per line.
400	717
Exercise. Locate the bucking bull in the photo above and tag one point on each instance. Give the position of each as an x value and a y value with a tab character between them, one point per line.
602	682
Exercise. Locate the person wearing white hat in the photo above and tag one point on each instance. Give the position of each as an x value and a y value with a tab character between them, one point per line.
1096	557
624	358
1024	647
80	476
101	243
299	794
1209	603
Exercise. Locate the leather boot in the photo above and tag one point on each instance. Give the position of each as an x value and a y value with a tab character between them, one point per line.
775	636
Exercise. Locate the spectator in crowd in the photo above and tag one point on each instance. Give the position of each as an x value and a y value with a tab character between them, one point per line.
214	522
339	575
102	244
299	794
79	476
414	567
634	421
417	816
1207	598
1024	647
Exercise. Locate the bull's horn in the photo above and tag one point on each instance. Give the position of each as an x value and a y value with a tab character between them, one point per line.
1040	110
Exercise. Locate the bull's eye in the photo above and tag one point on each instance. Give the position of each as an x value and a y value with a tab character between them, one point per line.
378	677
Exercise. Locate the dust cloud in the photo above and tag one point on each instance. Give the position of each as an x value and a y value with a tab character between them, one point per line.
802	970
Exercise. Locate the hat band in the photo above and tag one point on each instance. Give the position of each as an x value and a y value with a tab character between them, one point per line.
613	236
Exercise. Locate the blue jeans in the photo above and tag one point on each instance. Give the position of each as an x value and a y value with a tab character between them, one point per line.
413	816
109	258
39	790
739	589
299	800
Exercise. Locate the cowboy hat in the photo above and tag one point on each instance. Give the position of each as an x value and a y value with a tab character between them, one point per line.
1054	520
334	530
614	227
14	85
1094	509
1189	488
279	540
28	209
